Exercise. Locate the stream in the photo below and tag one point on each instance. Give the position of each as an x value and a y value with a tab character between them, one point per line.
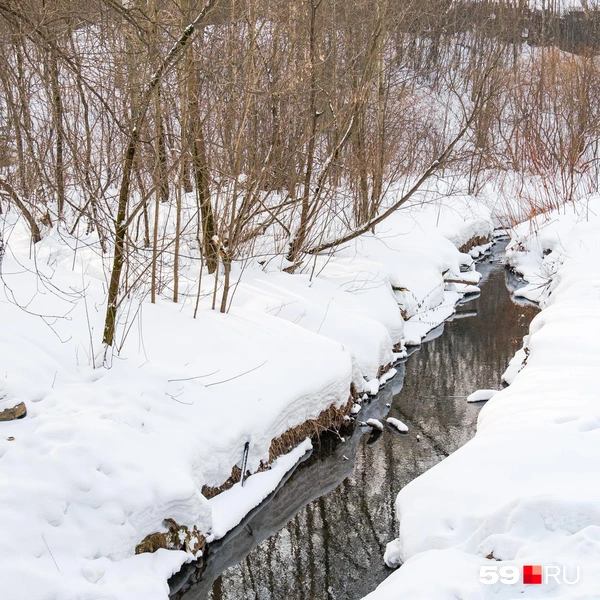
322	533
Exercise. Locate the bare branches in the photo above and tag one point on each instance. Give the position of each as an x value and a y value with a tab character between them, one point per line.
437	164
173	55
265	130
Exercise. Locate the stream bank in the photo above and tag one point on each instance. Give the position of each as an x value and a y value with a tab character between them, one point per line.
322	534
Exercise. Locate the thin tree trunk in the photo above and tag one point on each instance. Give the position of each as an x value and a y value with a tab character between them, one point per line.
361	210
33	227
59	133
174	54
299	238
201	175
200	166
177	234
163	180
158	199
110	321
379	162
226	278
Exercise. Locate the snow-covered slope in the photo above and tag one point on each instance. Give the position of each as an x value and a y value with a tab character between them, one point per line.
525	490
104	455
107	451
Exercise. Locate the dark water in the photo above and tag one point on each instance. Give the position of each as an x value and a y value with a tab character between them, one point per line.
323	533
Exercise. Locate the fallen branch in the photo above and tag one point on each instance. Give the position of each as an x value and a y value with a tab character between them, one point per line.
237	376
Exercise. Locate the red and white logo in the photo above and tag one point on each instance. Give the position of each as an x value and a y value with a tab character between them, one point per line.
529	574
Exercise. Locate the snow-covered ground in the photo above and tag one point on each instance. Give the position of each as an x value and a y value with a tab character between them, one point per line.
109	450
563	6
525	491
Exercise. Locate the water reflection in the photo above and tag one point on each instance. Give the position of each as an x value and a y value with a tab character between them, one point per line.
322	534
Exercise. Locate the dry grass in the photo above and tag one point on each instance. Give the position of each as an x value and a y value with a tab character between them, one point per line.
178	537
474	241
331	418
236	474
385	368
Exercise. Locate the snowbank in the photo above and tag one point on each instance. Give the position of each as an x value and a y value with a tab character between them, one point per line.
352	295
105	454
525	490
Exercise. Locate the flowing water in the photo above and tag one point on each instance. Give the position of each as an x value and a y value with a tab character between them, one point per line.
322	534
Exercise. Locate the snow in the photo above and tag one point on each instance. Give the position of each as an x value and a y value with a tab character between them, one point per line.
465	288
417	327
481	395
372	386
525	489
480	250
105	455
375	424
471	277
514	366
387	376
458	217
112	446
397	424
232	505
327	309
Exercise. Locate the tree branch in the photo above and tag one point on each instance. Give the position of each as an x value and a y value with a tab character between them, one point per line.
33	226
480	100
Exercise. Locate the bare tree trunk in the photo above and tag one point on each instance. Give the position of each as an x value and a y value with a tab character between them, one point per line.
201	175
361	209
157	201
379	159
15	122
175	53
59	133
33	227
176	250
163	179
226	278
299	238
200	164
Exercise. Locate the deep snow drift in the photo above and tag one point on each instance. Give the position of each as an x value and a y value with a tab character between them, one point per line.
525	490
107	452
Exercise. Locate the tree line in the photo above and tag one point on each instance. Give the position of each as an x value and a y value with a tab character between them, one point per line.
174	130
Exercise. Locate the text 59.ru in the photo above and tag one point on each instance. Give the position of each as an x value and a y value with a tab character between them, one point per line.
529	574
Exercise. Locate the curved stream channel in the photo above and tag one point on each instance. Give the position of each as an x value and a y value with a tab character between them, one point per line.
322	534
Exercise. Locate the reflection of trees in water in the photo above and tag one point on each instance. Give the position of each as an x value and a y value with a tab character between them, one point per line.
472	354
332	547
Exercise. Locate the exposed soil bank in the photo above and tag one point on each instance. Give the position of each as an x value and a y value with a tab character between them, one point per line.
330	419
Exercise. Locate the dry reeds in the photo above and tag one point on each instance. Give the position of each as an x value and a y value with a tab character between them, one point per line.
474	241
